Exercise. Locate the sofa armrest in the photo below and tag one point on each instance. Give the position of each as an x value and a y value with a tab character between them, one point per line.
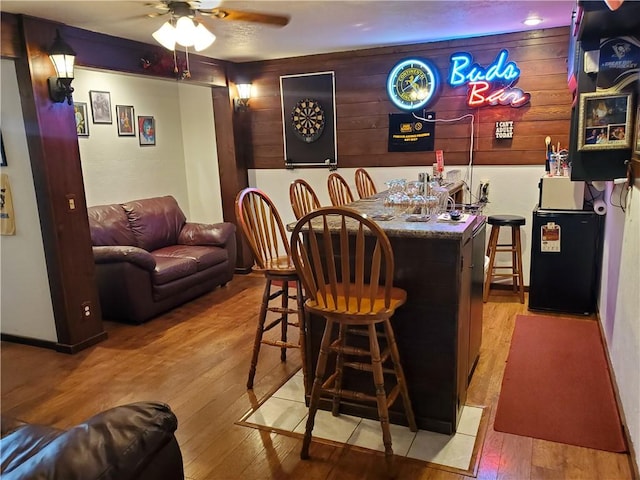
117	444
135	255
216	234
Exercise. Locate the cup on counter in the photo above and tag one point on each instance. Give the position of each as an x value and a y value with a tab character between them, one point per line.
553	167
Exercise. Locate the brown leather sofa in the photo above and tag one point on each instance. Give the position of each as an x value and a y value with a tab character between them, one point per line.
149	259
128	442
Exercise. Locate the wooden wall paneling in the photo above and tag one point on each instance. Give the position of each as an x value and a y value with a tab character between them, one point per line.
362	105
55	161
232	147
10	45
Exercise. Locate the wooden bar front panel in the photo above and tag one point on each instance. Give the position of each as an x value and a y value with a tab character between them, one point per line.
432	330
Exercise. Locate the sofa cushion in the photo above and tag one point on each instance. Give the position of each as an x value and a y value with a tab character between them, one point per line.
172	268
204	257
109	226
117	444
21	441
155	222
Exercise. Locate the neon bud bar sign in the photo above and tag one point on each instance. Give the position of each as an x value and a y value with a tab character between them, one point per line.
491	85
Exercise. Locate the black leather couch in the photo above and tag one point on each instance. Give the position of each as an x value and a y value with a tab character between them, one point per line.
149	259
128	442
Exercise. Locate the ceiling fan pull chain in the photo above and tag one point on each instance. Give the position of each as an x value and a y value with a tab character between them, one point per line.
187	72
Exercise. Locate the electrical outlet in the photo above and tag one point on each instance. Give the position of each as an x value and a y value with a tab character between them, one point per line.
484	191
86	310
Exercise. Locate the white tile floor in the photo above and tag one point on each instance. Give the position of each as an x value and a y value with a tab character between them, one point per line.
286	410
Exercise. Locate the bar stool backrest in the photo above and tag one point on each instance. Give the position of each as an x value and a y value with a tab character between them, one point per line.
263	229
364	184
339	191
303	198
345	262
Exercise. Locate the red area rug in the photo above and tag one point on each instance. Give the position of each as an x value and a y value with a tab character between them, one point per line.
557	387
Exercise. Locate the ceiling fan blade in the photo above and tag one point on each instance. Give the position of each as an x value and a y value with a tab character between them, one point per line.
226	14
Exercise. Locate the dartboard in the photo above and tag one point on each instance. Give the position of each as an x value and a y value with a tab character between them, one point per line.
308	120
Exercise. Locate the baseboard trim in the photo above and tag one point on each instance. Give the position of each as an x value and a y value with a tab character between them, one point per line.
58	347
625	428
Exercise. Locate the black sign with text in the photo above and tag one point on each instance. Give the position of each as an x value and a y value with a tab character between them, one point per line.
410	134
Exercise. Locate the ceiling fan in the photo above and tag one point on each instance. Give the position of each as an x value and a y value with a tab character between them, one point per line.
211	8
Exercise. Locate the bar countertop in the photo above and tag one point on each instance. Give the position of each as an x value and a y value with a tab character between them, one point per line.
398	225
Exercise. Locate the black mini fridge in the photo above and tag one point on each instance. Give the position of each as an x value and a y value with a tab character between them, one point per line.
565	261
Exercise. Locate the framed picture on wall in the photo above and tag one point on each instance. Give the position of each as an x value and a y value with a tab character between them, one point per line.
100	106
126	121
604	121
82	124
147	130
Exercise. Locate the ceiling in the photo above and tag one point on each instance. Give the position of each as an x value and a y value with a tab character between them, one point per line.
315	26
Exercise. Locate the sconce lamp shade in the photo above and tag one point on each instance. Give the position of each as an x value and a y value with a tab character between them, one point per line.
185	33
63	58
241	103
244	91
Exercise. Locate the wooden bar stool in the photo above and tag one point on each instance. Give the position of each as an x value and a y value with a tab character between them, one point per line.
265	233
515	247
302	197
339	191
364	184
352	288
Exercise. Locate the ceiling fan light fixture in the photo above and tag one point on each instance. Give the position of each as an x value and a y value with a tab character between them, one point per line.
185	32
202	38
166	36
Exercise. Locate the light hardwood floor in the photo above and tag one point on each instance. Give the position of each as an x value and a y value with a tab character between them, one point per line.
196	359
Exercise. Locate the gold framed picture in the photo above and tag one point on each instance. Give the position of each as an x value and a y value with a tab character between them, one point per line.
604	121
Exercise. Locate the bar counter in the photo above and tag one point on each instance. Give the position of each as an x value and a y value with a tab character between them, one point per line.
438	330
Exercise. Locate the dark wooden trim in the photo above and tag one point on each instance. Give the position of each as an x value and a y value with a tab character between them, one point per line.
34	342
230	138
57	175
10	46
89	342
58	347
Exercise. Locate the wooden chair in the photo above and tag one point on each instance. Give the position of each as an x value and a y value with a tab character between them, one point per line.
339	191
352	287
303	198
364	184
265	233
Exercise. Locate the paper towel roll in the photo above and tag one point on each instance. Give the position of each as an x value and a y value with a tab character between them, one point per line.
600	207
599	185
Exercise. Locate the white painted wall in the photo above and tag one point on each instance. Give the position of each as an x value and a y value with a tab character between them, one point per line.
513	190
619	299
200	153
183	163
25	301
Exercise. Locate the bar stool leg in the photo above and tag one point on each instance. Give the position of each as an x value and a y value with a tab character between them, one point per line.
342	338
317	388
284	323
302	325
259	330
514	259
491	253
400	378
381	397
519	255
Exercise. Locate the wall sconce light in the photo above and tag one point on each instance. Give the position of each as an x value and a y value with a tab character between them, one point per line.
244	94
63	57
